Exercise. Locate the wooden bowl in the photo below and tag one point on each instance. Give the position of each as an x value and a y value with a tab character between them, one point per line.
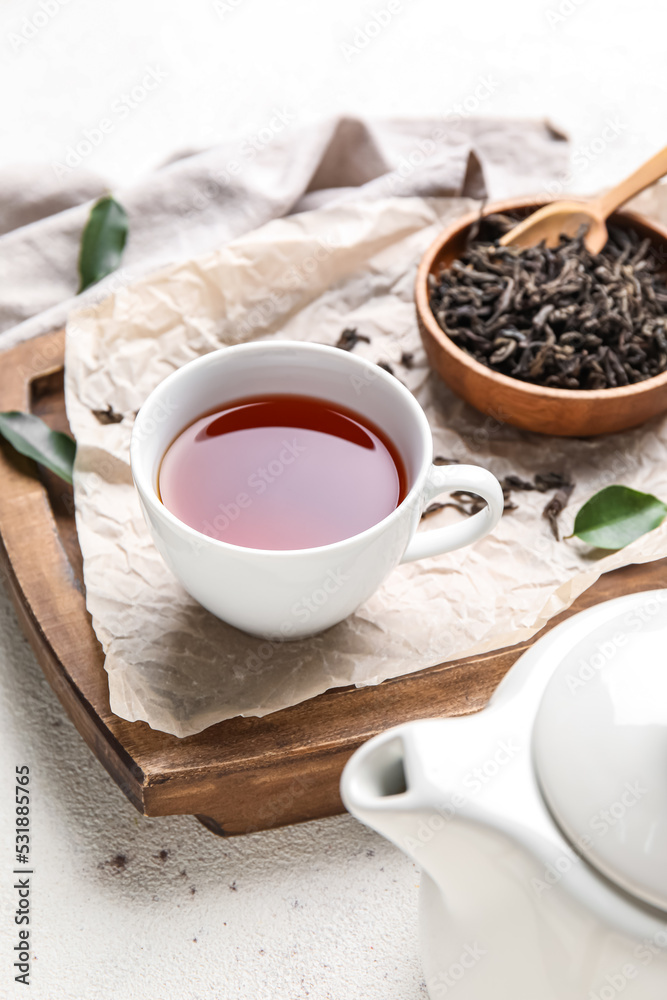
566	412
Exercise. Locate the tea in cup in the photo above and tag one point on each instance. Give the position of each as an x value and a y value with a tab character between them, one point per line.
283	481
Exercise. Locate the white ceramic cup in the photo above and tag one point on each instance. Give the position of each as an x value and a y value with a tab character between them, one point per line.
288	594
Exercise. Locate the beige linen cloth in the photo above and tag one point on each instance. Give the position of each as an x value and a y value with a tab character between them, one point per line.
350	262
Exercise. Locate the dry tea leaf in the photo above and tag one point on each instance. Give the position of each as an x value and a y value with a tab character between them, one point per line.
108	416
349	339
556	506
561	316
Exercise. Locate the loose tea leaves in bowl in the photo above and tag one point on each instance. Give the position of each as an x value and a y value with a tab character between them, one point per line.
560	317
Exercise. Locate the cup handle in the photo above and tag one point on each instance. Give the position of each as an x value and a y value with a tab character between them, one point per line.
445	479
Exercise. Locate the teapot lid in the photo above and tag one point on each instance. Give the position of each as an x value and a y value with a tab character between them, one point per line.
600	749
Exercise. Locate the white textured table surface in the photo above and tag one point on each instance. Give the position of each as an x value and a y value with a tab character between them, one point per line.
127	907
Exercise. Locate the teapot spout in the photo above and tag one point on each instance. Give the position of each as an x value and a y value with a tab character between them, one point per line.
442	791
386	786
417	785
374	787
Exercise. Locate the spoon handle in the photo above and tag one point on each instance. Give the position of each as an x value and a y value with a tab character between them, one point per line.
647	174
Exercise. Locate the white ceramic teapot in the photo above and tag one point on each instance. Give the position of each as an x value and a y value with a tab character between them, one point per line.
540	823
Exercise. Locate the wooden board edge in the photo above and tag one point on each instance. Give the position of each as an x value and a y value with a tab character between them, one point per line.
16	471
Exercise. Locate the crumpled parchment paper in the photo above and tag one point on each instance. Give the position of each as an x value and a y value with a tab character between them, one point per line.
307	277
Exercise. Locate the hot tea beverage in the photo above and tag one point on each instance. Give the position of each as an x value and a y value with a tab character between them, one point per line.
262	502
282	472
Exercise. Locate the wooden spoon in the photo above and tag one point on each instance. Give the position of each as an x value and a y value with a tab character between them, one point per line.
567	217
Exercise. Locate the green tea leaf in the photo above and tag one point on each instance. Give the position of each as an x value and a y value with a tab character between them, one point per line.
617	515
31	436
102	241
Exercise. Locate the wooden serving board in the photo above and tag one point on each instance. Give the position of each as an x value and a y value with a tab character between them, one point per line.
242	774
